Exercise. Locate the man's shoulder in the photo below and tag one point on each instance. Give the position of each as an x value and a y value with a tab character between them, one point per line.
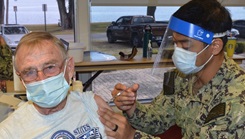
81	94
21	112
86	97
89	97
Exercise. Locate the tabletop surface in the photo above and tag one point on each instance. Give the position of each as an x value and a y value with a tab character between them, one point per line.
94	61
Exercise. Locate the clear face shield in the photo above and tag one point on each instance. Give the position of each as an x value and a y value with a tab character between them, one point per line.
178	47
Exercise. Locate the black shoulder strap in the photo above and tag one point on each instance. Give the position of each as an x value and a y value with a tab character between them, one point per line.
168	82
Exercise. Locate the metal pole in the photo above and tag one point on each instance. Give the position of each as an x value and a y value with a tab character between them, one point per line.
15	18
7	11
15	11
45	21
44	10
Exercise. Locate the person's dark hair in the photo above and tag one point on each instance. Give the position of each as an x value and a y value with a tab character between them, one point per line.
208	14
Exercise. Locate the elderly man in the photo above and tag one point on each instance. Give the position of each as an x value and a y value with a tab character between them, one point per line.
45	69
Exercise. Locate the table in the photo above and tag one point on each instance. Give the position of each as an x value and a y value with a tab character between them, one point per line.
88	65
137	63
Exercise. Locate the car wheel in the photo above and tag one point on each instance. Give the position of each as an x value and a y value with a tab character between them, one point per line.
110	38
136	41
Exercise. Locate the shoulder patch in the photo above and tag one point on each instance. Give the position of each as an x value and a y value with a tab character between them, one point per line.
217	111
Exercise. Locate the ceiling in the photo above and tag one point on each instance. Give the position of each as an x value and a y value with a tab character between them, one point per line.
157	2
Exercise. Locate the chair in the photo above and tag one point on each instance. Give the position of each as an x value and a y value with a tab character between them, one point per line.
173	132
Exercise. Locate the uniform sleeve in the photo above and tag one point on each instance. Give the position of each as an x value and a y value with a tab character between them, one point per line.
156	117
230	126
236	117
6	66
141	135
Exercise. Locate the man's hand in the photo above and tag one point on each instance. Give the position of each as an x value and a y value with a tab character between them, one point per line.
119	128
126	101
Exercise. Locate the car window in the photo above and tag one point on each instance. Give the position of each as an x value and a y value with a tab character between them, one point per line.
237	22
22	30
137	20
243	23
240	23
7	30
119	21
14	30
143	20
148	20
126	20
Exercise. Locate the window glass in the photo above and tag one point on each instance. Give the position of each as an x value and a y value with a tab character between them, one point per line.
119	21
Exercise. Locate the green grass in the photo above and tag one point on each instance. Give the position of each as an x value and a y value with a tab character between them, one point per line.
99	27
55	29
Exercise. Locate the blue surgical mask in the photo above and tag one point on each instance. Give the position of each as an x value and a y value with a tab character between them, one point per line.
185	61
48	93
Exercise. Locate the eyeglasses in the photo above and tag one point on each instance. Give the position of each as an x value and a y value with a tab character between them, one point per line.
48	70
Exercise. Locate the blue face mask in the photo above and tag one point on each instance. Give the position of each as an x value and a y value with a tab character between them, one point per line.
185	61
48	93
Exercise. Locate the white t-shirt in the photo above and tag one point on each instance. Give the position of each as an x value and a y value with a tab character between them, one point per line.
78	119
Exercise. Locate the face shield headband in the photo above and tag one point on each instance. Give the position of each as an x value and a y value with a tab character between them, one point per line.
184	28
190	30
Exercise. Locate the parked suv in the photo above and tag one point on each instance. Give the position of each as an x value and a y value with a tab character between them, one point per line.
240	26
131	28
12	33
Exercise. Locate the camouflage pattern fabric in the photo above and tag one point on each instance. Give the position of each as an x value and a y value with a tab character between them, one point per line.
216	111
141	135
6	66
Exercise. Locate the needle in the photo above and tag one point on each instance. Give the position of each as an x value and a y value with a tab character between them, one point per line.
118	94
